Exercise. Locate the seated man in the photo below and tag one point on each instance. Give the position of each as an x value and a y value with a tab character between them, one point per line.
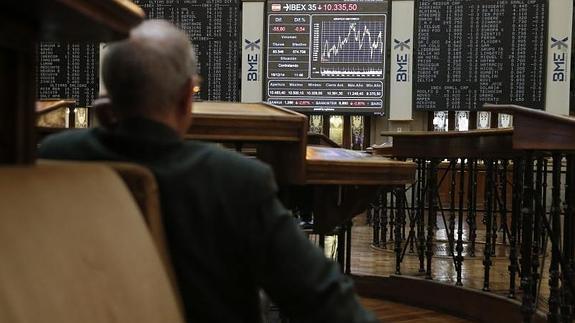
227	232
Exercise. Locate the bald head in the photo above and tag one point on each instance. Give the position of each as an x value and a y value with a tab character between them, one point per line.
148	73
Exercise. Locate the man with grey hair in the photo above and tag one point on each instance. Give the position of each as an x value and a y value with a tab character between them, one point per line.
229	236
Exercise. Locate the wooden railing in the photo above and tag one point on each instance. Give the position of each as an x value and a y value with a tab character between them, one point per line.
517	166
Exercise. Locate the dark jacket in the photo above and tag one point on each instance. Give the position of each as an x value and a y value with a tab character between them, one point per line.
227	232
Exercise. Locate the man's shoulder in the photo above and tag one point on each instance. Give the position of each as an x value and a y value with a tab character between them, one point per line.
61	144
233	169
69	136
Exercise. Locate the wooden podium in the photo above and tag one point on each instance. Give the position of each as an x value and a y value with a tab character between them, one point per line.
278	134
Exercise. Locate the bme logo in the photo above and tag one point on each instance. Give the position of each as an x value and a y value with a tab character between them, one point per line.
401	44
252	45
402	61
253	59
559	59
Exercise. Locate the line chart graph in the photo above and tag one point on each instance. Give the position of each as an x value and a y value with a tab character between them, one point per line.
352	72
352	42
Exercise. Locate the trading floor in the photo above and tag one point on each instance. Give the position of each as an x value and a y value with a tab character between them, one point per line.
282	161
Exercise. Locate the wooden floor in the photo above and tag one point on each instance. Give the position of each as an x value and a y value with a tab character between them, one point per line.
394	312
368	260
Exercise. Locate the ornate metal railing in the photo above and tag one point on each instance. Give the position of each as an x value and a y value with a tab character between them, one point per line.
508	171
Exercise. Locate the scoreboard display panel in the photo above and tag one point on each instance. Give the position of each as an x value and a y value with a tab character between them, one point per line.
472	52
326	56
214	27
68	70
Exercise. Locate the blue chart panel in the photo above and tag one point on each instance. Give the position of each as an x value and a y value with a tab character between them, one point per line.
352	42
348	46
327	55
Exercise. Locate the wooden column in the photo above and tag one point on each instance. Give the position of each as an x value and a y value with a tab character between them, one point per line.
346	132
17	84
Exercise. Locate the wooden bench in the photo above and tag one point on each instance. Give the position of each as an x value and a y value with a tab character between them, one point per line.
75	248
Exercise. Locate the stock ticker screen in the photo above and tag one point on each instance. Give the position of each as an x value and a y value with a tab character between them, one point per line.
472	52
326	56
68	70
214	27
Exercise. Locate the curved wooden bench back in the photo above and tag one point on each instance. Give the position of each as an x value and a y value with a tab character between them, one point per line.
142	184
75	248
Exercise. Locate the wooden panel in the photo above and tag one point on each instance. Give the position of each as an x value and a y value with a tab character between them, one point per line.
538	130
453	144
227	121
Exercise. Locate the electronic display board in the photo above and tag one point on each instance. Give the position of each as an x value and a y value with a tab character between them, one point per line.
68	70
214	27
470	52
326	56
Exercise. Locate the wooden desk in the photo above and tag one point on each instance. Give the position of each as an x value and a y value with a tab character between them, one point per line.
263	123
343	181
337	166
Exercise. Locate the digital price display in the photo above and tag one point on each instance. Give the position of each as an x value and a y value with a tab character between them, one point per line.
214	27
473	52
326	56
68	70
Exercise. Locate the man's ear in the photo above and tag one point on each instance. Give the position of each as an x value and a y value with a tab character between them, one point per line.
105	112
186	99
